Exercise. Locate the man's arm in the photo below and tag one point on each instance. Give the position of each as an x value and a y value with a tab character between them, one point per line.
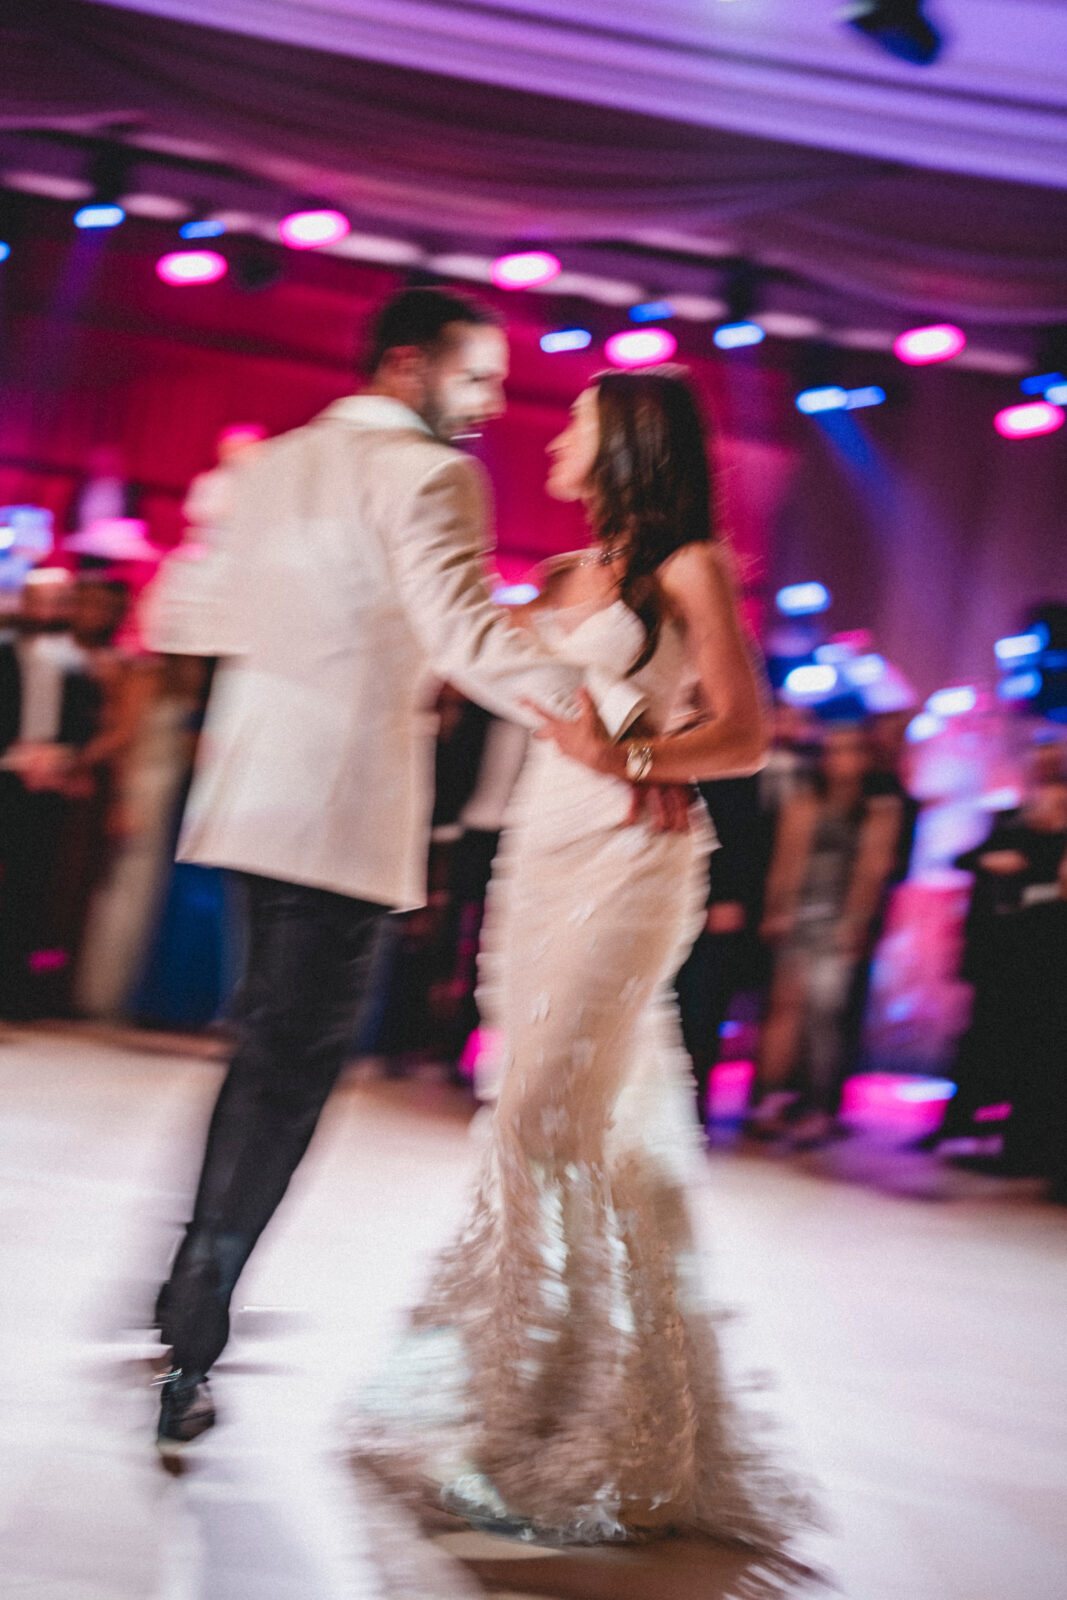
437	552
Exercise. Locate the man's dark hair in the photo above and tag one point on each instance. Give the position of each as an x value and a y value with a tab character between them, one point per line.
419	317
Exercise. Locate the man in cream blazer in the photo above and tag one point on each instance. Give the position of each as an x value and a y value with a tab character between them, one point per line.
349	569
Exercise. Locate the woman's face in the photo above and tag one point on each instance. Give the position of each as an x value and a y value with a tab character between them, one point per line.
571	453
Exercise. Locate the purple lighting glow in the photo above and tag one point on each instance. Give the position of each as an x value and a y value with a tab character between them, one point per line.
309	230
528	269
939	342
183	267
642	347
1028	420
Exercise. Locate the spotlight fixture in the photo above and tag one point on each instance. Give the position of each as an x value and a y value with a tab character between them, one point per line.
1021	685
108	174
641	347
181	267
311	229
526	269
815	679
736	335
802	599
899	26
652	311
205	228
1029	420
831	397
917	347
952	702
925	726
566	339
515	594
99	214
1022	646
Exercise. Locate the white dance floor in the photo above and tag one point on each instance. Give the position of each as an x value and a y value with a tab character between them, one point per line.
914	1325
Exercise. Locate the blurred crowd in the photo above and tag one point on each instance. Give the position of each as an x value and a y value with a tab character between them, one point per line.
97	742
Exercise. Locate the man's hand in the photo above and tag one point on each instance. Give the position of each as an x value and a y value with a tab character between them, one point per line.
582	738
666	805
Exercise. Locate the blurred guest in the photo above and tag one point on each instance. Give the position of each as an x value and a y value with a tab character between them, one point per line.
886	777
77	704
207	503
103	493
834	853
1013	1052
480	823
729	955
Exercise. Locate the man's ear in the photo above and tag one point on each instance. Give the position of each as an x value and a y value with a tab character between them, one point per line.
403	370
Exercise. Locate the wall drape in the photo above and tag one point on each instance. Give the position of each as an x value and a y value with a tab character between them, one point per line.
929	528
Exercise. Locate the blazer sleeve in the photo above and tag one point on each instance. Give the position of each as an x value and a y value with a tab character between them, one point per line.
437	552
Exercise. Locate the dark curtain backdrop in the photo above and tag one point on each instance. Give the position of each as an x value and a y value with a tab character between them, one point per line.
928	528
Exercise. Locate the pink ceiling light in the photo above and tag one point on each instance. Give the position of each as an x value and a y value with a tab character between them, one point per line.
1025	421
640	347
183	267
310	230
529	269
939	342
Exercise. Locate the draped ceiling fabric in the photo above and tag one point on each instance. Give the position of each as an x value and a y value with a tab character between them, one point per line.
410	150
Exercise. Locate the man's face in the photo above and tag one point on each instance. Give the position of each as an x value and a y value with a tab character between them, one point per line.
463	385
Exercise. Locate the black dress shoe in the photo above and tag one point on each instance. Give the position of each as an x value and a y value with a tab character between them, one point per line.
185	1412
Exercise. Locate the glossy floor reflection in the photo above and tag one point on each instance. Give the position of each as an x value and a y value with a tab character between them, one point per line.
914	1327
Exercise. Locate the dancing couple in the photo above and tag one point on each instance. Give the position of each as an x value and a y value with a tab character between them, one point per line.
561	1378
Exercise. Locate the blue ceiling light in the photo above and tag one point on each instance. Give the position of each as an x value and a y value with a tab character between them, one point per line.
736	335
566	339
829	397
1019	646
99	214
817	679
1020	685
870	395
1042	383
924	726
515	594
204	228
651	311
952	702
5	250
802	599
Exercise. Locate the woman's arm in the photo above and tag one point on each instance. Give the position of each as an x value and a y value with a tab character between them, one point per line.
696	582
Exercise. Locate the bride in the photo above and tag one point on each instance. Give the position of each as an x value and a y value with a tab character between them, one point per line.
562	1380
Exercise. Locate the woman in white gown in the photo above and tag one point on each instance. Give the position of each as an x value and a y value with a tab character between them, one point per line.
562	1379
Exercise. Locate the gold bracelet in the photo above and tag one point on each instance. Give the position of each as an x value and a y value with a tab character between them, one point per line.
638	761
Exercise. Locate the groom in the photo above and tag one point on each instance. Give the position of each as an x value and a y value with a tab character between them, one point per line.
350	569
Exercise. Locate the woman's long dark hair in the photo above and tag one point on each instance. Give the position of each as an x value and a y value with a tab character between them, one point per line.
651	490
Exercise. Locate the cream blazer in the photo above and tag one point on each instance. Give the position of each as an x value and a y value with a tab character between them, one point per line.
348	574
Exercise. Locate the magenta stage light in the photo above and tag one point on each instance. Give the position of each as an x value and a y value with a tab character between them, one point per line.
310	230
939	342
641	347
183	267
1026	421
528	269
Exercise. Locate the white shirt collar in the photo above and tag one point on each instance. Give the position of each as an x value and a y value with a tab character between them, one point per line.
376	411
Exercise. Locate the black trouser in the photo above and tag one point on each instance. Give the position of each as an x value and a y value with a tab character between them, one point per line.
309	953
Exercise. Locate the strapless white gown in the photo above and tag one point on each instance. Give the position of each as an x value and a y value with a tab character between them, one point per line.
562	1378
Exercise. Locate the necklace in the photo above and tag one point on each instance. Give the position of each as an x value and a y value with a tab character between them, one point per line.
601	558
